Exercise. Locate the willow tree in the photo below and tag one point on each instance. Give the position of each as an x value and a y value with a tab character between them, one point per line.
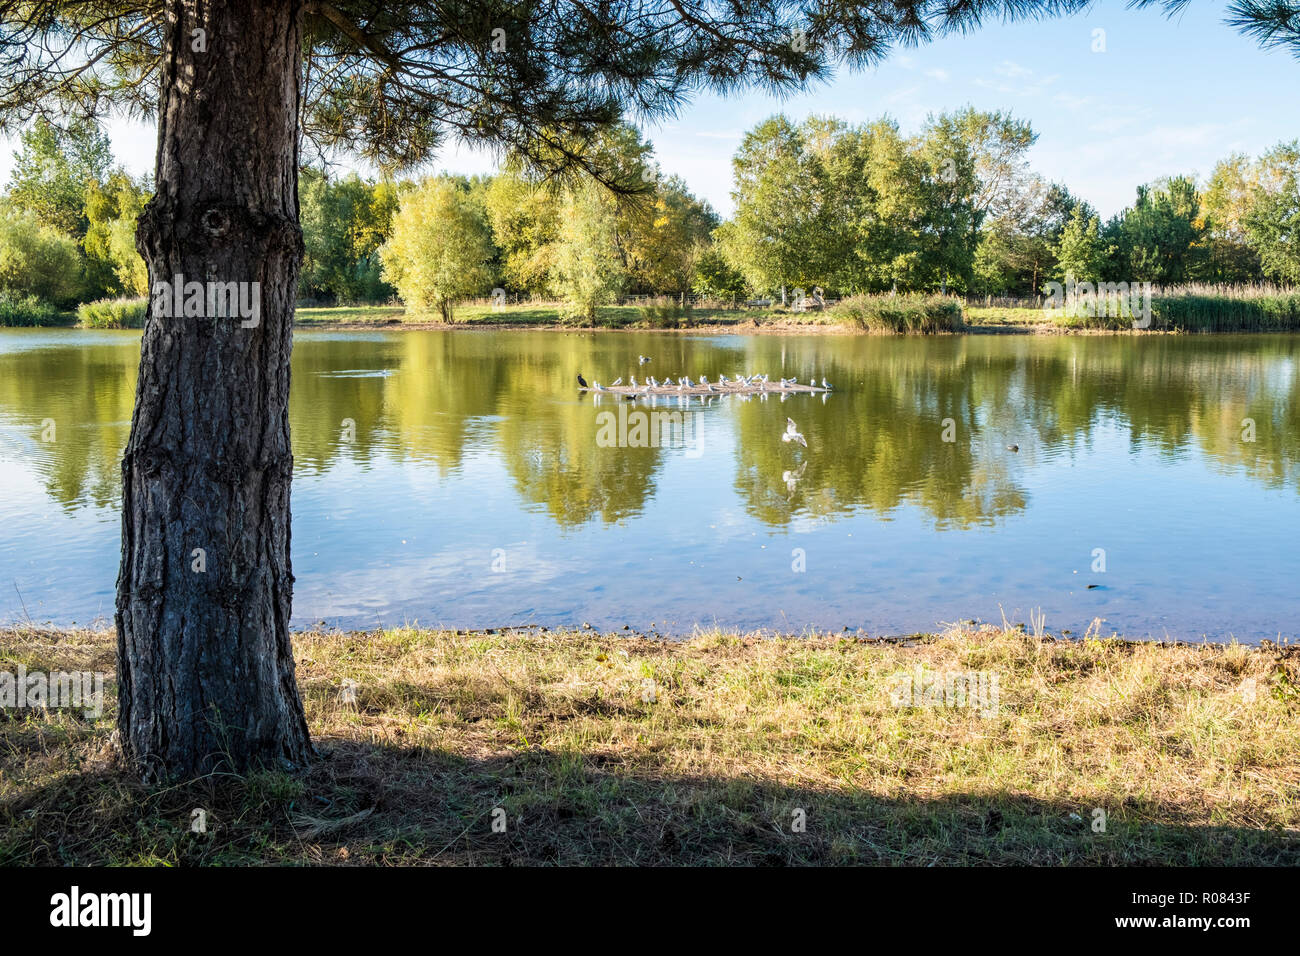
205	668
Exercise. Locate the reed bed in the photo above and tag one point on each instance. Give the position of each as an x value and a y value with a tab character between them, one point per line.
1206	308
917	314
113	313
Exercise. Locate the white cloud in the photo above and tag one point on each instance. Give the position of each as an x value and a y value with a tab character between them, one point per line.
1012	69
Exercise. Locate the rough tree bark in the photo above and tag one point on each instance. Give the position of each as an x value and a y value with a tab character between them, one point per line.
206	671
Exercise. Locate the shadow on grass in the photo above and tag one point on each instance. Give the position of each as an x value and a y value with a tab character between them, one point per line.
366	804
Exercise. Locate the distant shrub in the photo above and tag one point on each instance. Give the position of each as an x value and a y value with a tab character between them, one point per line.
18	309
36	260
666	312
900	313
113	313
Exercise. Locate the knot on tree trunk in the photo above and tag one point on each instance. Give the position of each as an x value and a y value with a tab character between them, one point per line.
215	231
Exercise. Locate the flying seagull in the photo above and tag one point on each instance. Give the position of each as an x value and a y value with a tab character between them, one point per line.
642	359
791	433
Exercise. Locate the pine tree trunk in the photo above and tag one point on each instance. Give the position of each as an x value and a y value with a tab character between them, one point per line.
205	664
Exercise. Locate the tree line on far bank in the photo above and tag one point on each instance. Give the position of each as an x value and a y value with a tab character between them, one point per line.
846	209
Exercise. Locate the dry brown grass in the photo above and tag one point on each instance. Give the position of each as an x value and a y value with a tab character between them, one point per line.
604	749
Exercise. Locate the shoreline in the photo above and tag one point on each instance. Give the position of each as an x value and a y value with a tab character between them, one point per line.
975	746
766	328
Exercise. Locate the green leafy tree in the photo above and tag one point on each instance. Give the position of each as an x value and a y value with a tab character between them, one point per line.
998	143
715	277
951	185
525	220
1272	221
666	237
1159	232
344	222
440	248
112	209
1016	249
53	169
37	259
589	272
1080	251
1226	252
773	238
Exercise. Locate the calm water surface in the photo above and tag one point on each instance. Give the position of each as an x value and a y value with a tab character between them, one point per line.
460	479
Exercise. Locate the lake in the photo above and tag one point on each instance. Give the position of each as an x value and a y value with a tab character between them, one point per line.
460	479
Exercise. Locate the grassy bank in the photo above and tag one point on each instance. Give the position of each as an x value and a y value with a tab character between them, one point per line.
528	316
602	749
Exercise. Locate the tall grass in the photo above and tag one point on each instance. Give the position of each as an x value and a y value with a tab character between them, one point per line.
1208	308
1227	309
924	314
113	313
24	310
666	312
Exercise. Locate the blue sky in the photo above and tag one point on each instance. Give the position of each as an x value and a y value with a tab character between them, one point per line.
1167	96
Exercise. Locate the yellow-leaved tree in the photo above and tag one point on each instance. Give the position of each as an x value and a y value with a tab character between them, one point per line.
440	247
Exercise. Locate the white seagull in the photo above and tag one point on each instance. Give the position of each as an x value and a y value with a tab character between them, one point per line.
791	433
617	381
